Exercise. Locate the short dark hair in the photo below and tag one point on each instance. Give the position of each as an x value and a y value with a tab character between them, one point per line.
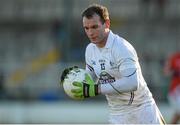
100	10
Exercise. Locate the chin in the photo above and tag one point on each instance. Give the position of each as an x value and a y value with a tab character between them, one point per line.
95	42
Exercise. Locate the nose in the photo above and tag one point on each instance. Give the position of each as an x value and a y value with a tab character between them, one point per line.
90	32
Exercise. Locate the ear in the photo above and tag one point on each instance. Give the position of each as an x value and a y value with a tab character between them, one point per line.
107	23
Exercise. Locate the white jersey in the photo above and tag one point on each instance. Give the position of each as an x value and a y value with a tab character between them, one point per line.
106	64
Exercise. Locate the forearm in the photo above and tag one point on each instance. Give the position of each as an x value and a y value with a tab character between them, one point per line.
125	84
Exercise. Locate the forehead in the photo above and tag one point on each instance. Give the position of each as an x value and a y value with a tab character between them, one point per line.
95	19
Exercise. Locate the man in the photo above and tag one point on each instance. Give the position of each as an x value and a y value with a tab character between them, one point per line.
113	63
172	67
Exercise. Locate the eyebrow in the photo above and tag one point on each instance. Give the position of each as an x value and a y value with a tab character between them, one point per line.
93	26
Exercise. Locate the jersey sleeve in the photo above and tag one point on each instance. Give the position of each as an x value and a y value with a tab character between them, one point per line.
125	84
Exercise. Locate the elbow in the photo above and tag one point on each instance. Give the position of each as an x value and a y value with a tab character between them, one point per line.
135	83
135	86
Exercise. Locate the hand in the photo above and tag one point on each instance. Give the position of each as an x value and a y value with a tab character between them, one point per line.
85	89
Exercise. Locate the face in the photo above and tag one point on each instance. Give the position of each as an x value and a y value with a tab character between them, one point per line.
95	30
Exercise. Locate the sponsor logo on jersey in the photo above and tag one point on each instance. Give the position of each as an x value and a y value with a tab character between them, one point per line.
102	61
111	63
106	78
93	62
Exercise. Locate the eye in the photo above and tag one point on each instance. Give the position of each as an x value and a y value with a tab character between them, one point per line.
95	27
86	28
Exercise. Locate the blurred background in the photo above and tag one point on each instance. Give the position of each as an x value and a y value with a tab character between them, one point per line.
39	38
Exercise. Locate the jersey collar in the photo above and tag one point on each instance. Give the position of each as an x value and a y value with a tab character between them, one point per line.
110	40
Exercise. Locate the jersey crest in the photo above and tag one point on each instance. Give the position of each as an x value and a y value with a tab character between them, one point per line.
106	78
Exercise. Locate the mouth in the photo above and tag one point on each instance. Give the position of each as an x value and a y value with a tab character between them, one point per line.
93	38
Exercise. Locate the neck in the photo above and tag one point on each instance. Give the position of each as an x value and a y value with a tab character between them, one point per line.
103	42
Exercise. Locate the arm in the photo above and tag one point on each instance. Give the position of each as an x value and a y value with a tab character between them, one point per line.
129	81
89	89
126	84
90	70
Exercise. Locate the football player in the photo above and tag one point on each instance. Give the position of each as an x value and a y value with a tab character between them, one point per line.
113	64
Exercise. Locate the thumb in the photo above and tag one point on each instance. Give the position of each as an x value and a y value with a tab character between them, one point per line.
89	79
78	84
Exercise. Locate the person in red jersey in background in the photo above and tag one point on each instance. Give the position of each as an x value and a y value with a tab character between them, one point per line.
172	67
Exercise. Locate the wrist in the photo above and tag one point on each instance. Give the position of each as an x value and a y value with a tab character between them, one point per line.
90	90
97	89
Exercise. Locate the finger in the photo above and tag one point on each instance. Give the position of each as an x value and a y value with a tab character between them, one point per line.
79	96
76	90
78	84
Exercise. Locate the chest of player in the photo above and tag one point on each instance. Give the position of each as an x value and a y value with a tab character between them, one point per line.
103	62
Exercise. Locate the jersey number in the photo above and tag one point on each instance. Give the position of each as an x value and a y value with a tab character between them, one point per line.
102	66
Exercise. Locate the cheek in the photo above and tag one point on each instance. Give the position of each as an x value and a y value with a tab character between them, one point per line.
101	34
98	32
87	33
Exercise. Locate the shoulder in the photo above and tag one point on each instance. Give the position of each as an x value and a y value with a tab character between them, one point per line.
121	47
90	47
89	50
122	44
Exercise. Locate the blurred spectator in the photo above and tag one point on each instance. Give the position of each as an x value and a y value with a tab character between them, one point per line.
56	28
58	35
172	67
160	8
145	8
154	8
2	92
